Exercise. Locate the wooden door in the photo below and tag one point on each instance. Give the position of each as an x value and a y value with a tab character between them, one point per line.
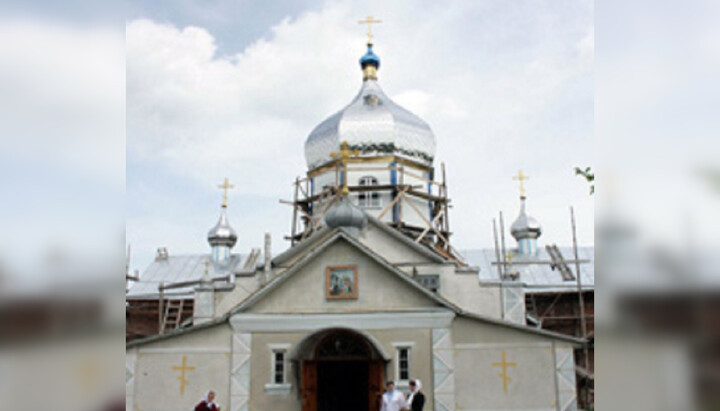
309	386
376	376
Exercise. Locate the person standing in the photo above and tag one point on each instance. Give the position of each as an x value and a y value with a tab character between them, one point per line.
208	403
416	399
392	400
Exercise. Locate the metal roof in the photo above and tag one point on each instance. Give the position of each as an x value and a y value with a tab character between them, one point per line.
176	269
537	277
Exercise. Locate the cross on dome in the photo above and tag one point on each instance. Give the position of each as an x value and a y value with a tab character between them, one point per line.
521	178
344	155
225	186
369	20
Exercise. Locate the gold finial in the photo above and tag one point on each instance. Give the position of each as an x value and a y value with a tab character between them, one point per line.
344	155
521	177
225	186
369	20
206	263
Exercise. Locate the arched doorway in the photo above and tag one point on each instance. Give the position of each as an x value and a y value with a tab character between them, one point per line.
340	370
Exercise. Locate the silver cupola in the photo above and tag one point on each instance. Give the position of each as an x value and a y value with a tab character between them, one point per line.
222	237
525	229
372	124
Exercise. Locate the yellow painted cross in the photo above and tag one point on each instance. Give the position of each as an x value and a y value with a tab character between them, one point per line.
225	186
344	155
369	21
182	368
504	364
521	177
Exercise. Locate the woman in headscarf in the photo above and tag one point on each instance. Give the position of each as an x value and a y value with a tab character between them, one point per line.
208	403
416	399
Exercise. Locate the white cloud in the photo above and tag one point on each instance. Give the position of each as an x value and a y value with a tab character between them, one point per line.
62	145
499	97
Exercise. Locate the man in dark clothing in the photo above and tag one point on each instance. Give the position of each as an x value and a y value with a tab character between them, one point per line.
416	399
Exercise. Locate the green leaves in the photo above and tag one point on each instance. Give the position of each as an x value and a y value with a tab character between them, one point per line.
589	176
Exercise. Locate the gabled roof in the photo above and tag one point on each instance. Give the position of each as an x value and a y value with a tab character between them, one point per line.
420	248
296	259
328	239
281	259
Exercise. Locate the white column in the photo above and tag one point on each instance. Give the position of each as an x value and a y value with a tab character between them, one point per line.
240	372
443	370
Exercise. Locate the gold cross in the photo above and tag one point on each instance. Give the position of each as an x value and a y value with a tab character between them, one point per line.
504	364
521	177
369	21
225	186
508	258
206	263
344	155
182	368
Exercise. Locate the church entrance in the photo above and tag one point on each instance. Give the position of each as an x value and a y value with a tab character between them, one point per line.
342	385
345	373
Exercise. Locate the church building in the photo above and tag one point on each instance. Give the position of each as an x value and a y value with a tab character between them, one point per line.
370	290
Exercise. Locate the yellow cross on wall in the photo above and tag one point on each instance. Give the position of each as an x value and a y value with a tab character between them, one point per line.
521	177
225	186
182	368
504	364
369	20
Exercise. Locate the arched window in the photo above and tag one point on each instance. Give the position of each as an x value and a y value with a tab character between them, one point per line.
368	199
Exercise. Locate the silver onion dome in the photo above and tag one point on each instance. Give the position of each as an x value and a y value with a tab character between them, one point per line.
525	226
345	214
372	124
222	233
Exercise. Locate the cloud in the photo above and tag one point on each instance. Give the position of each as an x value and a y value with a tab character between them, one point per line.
502	87
62	144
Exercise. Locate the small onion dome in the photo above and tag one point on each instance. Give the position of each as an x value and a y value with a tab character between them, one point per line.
525	226
345	214
222	234
370	59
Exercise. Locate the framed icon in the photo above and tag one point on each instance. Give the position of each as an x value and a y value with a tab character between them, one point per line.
341	282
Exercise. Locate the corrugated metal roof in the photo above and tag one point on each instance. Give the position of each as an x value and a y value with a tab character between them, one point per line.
176	269
537	277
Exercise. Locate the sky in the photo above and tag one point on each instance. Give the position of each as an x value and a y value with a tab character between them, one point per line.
234	90
119	122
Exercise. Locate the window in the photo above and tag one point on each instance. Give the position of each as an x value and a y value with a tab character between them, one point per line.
403	364
278	366
368	199
431	281
278	383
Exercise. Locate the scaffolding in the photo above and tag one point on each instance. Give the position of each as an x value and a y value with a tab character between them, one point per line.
569	315
309	208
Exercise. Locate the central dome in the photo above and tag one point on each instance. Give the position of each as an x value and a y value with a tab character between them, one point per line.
372	124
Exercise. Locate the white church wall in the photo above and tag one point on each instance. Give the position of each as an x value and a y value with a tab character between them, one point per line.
464	290
175	373
377	288
484	353
263	398
226	301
